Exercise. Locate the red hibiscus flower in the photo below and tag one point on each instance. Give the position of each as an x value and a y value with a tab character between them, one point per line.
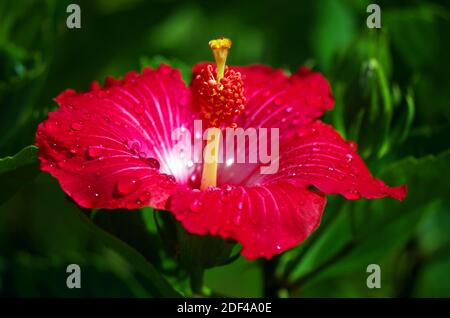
112	147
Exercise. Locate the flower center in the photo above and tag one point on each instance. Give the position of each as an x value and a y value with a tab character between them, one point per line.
218	94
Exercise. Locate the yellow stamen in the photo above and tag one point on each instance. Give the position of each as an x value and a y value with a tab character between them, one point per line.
220	49
211	158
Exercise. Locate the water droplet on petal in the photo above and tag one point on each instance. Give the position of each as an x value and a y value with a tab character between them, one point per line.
353	195
307	132
73	150
348	158
237	219
278	101
153	163
134	145
145	196
94	152
52	125
195	206
106	119
352	145
330	169
289	109
77	126
126	186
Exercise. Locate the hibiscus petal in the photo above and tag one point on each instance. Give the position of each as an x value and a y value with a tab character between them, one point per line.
317	155
277	100
265	219
111	147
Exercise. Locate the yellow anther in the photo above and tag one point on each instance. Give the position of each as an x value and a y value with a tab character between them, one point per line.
220	49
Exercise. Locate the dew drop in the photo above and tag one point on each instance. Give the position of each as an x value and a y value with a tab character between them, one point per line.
237	219
152	162
134	145
52	125
73	150
142	154
126	186
330	169
348	158
195	206
353	195
145	196
352	145
106	119
77	126
278	101
94	152
288	109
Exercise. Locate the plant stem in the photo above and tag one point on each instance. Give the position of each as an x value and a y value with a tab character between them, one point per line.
196	279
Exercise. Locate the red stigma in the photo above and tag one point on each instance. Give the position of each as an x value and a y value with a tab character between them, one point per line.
219	102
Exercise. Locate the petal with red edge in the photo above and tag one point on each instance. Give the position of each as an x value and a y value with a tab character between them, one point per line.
317	155
265	219
111	147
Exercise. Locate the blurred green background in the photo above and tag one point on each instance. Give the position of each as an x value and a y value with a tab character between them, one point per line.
392	90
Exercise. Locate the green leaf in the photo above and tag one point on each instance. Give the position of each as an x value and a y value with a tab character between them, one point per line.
41	232
17	170
369	231
246	275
